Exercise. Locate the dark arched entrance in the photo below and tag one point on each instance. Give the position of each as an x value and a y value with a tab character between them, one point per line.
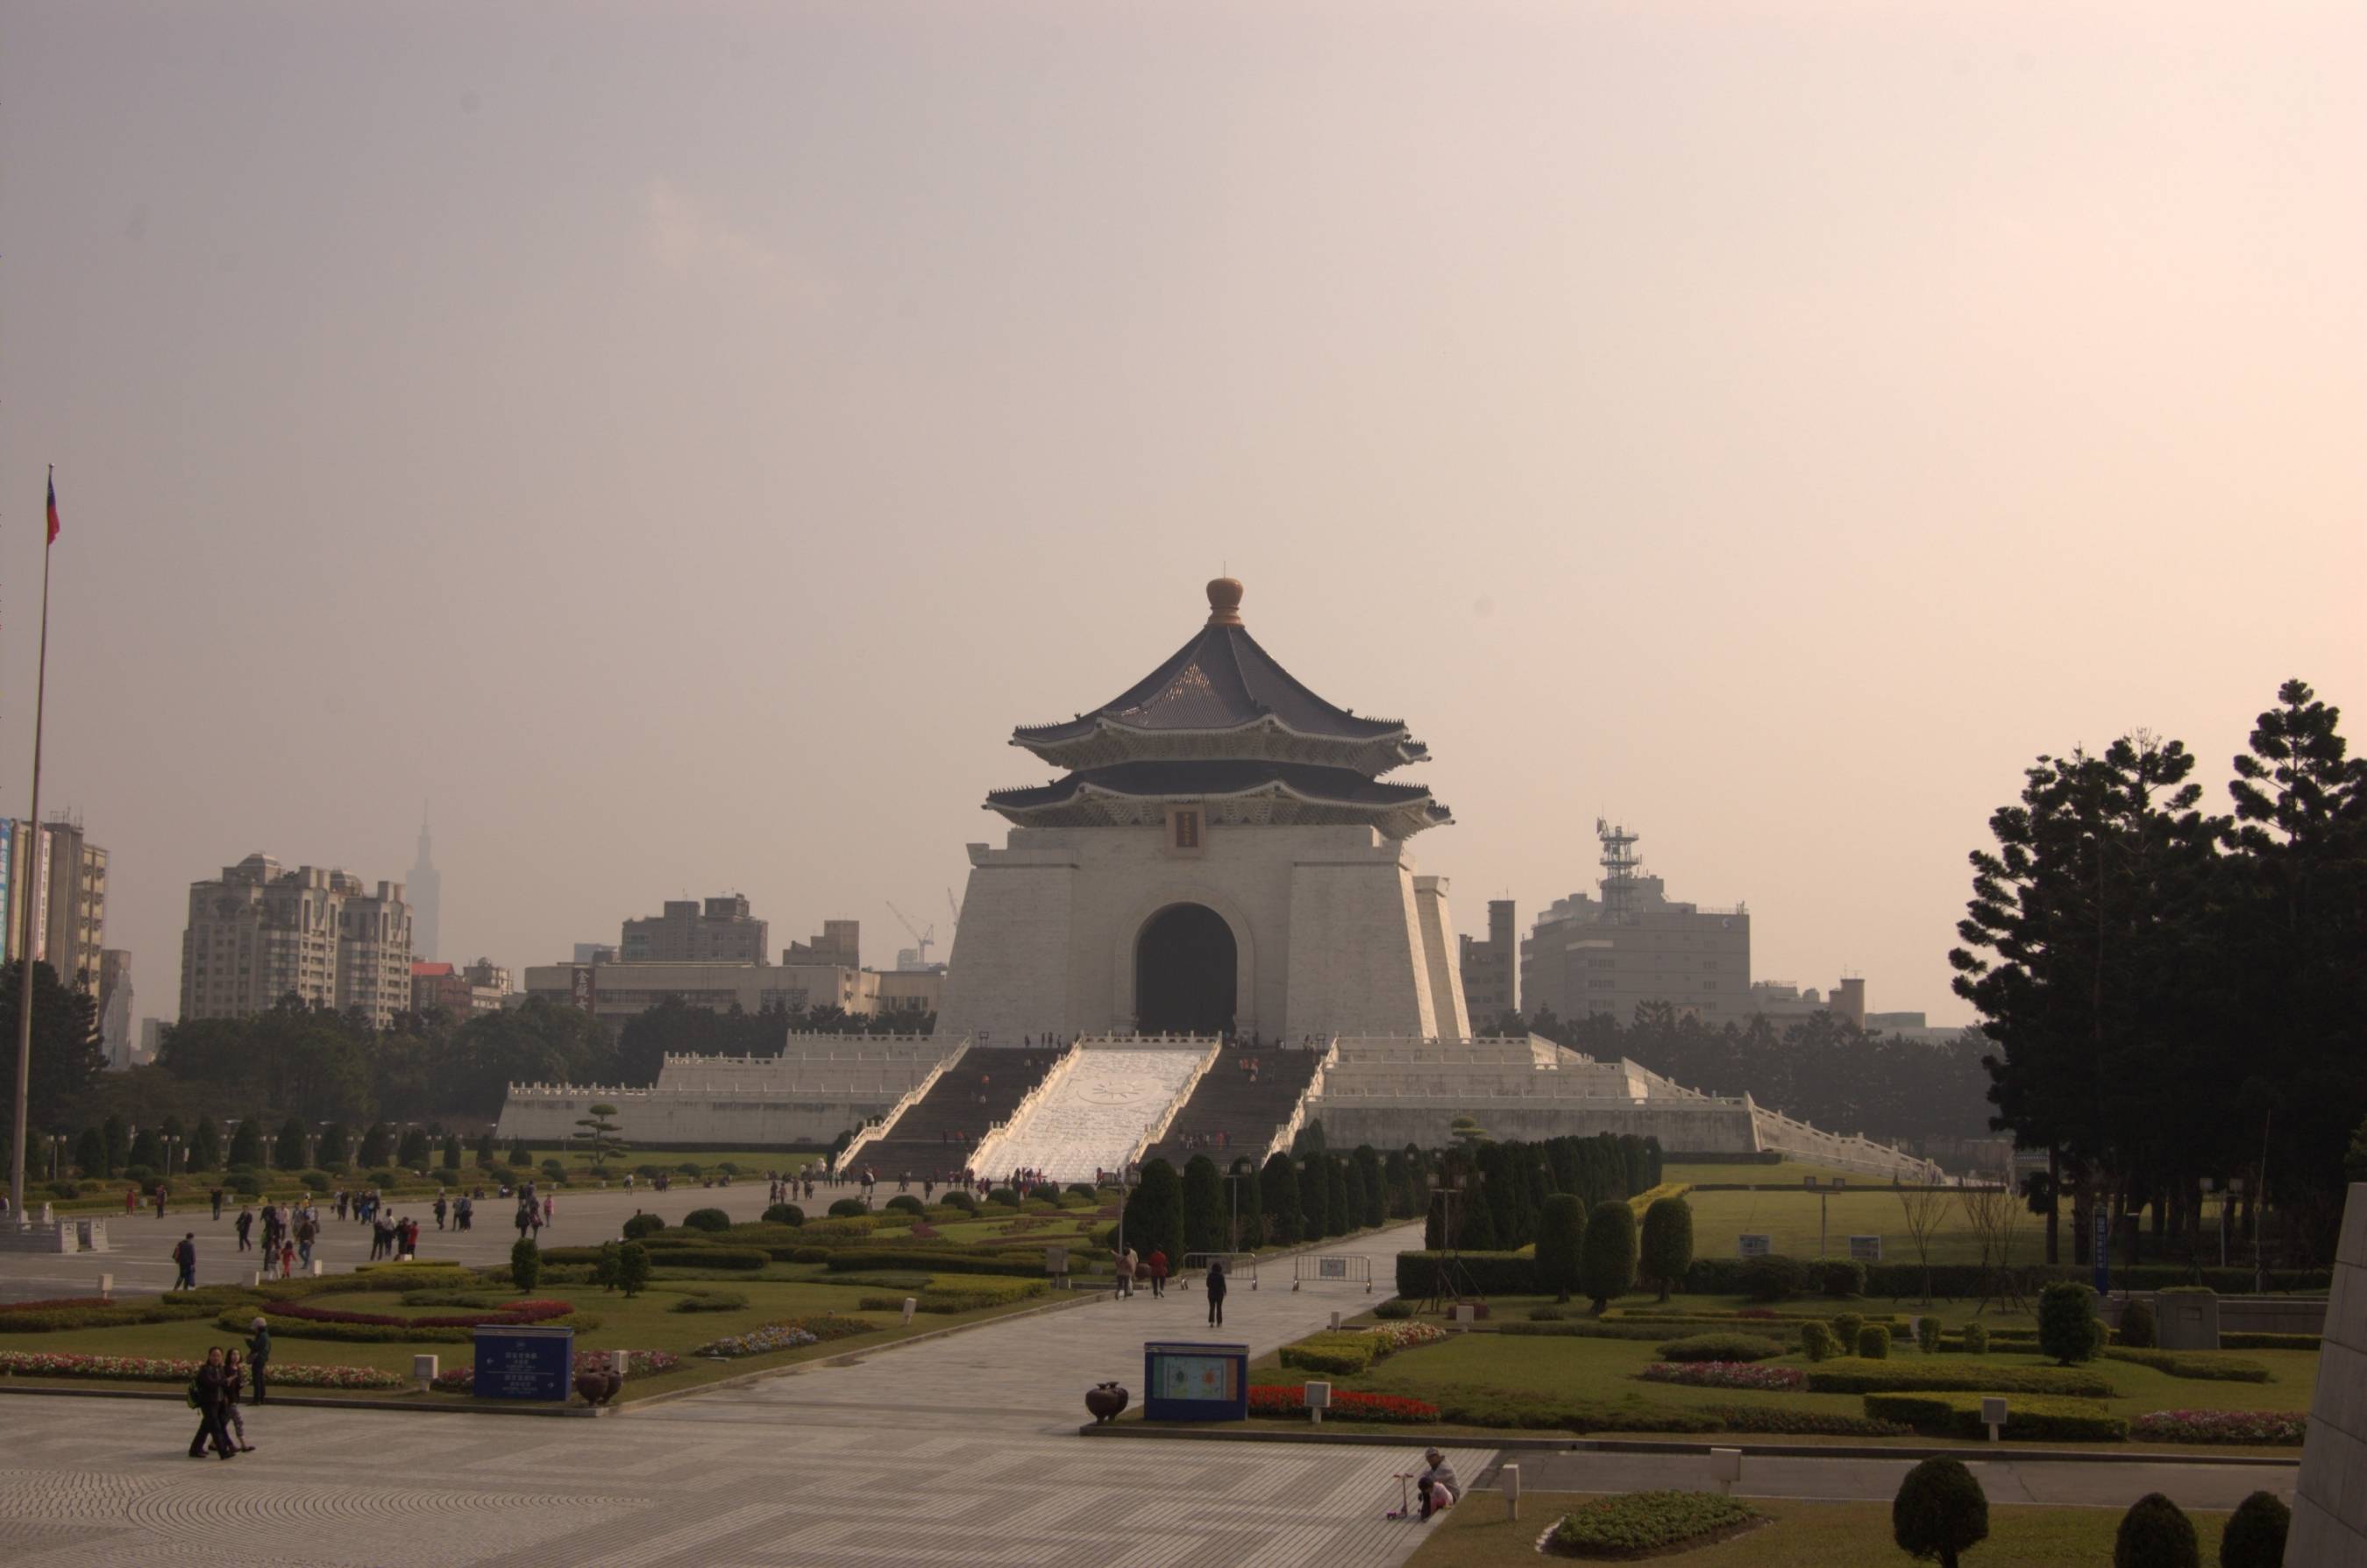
1186	969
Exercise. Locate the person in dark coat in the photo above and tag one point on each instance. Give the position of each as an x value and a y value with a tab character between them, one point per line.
208	1392
1217	1286
258	1355
184	1259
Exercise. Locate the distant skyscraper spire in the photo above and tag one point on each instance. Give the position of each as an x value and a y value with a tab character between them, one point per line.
425	892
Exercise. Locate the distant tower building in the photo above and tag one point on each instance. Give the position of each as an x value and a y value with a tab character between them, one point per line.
1635	946
1491	968
425	890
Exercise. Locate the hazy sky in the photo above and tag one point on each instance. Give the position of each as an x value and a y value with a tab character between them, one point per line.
680	441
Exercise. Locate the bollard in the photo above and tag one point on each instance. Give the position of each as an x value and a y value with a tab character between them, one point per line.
910	1304
423	1372
316	1267
1726	1468
1993	1415
258	1278
1335	1323
107	1287
1510	1477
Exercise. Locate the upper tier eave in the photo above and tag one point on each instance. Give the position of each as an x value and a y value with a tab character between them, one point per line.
1106	741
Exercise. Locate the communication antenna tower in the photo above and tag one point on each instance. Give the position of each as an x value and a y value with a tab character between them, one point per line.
1619	868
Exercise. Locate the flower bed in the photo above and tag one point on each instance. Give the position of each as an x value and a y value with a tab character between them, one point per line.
1726	1374
147	1369
58	1303
646	1363
1637	1524
2281	1428
1405	1335
1347	1405
519	1311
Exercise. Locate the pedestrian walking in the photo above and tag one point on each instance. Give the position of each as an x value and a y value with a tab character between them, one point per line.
439	1210
208	1398
258	1355
184	1256
217	1204
1156	1264
287	1261
245	1228
232	1375
1124	1270
1217	1286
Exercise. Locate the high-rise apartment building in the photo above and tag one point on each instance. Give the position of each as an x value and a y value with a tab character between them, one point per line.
722	931
1634	946
64	875
1491	968
259	933
115	998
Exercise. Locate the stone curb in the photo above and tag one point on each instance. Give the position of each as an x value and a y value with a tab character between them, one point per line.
1640	1446
313	1402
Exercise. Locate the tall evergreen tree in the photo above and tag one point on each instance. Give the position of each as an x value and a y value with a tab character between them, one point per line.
205	1146
1154	1213
1339	1217
334	1146
90	1153
1204	1208
67	1058
1246	1204
288	1154
1372	1193
1278	1200
1314	1200
246	1144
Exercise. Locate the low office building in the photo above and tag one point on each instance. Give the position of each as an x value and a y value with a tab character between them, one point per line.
1632	946
721	931
1491	968
619	991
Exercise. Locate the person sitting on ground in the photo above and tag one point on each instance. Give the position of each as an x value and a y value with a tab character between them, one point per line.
1438	1487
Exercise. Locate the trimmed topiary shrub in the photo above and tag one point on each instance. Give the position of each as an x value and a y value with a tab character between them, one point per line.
640	1225
1872	1343
1007	1196
1607	1265
1561	1240
1817	1341
632	1269
847	1209
1083	1190
1927	1335
1772	1278
710	1301
1977	1339
706	1220
957	1199
2068	1329
2034	1417
785	1215
1394	1308
2255	1536
525	1264
905	1204
1667	1249
2137	1330
1939	1512
2155	1533
1845	1327
1839	1278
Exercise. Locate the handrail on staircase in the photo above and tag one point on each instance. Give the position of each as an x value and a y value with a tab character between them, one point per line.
912	1097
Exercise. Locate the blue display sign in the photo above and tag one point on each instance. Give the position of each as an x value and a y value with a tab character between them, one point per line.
1188	1381
2104	1252
524	1363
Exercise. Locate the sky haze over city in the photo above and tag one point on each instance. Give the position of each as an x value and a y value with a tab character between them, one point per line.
678	443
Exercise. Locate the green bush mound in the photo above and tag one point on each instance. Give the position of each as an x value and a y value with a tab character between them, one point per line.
2240	1341
2255	1536
706	1220
2136	1330
1874	1343
168	1309
1939	1512
1394	1308
849	1260
785	1215
1857	1375
1816	1342
2205	1366
1636	1523
2155	1533
1721	1348
2035	1416
710	1301
1343	1354
972	1293
642	1225
1588	1329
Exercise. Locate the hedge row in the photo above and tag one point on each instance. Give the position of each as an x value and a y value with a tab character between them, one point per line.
849	1260
2268	1341
2202	1365
1854	1375
1509	1274
1959	1415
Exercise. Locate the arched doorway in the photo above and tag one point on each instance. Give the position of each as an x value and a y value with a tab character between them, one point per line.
1186	971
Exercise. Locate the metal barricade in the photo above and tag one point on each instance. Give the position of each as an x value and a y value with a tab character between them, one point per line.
1333	1269
1239	1266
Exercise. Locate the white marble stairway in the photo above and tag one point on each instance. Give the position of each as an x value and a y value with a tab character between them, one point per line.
1099	1109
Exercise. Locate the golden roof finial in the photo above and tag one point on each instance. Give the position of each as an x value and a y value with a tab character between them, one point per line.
1223	602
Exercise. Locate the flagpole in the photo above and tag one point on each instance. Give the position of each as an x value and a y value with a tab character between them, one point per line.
32	860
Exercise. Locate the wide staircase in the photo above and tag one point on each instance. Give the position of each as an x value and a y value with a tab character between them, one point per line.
1234	1113
1098	1110
936	1133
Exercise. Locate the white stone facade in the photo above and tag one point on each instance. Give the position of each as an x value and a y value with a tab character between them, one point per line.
1334	933
2329	1522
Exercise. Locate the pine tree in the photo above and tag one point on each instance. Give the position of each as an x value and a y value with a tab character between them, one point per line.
1561	1237
246	1144
1249	1199
1608	1264
90	1153
1372	1193
1339	1218
336	1144
1278	1200
288	1153
1314	1200
377	1143
205	1146
1154	1213
1204	1208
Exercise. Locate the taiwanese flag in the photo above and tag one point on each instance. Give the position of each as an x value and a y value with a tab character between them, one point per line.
53	509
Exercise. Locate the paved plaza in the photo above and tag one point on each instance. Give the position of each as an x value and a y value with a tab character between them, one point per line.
956	1452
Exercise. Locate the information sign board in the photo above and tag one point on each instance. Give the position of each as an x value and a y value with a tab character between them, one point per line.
1754	1246
530	1362
1185	1381
1866	1248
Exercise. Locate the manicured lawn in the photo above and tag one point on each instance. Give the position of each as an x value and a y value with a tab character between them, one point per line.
644	1322
1788	1218
1483	1369
1789	1173
1805	1535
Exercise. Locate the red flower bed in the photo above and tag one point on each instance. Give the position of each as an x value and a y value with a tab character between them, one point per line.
1347	1405
514	1313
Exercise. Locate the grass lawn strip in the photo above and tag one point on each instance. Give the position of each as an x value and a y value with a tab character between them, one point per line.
1635	1525
1475	1534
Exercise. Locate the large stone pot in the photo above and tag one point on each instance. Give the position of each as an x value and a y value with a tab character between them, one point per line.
1107	1399
598	1385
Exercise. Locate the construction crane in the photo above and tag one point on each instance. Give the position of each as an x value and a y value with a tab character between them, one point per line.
952	908
925	940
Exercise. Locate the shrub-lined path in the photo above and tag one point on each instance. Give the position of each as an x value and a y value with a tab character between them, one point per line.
959	1451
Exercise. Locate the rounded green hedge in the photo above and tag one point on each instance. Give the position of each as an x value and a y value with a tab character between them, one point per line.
2155	1533
1939	1511
706	1220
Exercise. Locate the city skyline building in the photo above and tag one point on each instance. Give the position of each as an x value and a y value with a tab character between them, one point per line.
1629	945
64	874
259	933
721	931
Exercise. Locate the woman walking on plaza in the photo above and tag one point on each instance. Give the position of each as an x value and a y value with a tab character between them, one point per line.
230	1375
207	1397
1217	1286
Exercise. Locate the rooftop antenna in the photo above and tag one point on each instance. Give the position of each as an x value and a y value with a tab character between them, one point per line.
1619	868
